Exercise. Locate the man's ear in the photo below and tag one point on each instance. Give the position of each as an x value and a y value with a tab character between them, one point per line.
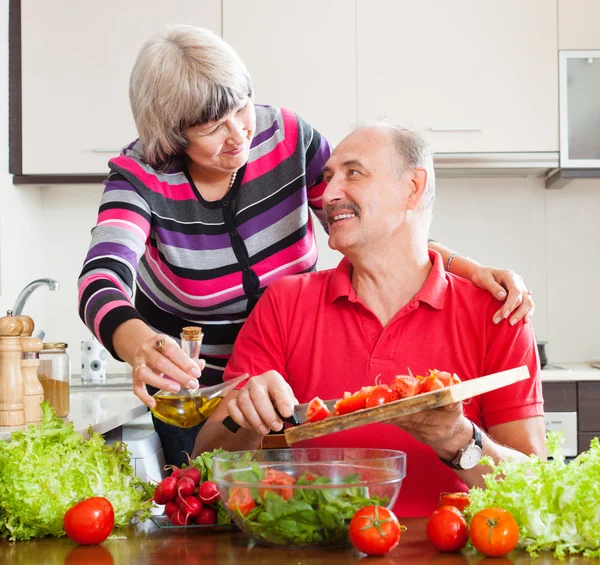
418	184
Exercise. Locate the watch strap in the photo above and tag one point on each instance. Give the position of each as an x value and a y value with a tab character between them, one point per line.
477	440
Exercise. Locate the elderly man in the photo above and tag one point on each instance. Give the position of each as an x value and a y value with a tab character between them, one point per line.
389	305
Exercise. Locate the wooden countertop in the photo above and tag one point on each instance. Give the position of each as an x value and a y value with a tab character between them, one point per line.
146	543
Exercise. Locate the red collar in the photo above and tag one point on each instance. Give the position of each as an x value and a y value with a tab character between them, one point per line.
433	292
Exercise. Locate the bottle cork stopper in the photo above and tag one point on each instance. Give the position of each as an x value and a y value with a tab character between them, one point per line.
10	325
192	333
28	325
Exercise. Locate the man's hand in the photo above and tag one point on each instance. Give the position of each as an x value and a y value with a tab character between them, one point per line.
503	283
445	429
254	407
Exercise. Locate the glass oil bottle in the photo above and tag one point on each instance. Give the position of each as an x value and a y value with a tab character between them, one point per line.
188	408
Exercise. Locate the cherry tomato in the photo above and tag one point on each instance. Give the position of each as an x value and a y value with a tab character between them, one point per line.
90	521
406	386
459	500
381	394
431	383
374	530
240	500
273	477
352	402
494	532
447	529
316	410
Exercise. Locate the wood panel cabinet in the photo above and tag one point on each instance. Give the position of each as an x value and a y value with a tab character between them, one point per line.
76	61
578	24
301	55
470	76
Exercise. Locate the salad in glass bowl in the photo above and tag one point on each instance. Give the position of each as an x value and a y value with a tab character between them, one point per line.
305	497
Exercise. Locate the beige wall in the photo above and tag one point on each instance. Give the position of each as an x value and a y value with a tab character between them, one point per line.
549	237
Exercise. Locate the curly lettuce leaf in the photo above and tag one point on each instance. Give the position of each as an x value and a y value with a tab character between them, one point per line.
49	467
555	503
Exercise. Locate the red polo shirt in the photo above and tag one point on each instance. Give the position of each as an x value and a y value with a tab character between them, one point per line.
317	333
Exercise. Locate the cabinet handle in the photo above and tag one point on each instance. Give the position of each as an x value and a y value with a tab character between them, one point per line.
105	150
454	130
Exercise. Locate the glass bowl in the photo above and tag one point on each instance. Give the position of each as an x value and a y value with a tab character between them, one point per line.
305	498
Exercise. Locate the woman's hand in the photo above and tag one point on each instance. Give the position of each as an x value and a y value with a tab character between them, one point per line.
158	356
254	407
503	283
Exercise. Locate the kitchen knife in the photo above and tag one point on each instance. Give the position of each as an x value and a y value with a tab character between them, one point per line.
298	416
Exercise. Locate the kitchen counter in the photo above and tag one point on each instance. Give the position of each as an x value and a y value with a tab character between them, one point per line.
569	372
103	410
145	543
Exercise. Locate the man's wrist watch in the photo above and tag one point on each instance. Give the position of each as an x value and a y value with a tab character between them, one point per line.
469	455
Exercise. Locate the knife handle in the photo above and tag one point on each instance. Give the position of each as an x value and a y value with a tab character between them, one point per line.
233	426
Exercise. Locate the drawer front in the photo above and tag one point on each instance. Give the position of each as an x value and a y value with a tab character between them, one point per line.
565	422
560	397
589	406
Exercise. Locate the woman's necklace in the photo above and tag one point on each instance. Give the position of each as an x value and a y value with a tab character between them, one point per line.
233	175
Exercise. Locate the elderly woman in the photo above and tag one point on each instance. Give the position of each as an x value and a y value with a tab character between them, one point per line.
202	212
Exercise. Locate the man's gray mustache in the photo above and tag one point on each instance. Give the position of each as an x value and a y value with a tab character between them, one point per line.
341	207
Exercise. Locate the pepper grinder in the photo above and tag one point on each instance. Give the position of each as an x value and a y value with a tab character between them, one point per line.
12	410
33	391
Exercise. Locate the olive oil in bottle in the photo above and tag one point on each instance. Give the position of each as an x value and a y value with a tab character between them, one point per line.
186	408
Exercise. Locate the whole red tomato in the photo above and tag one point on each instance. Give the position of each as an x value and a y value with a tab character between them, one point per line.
447	529
374	530
494	532
459	500
90	521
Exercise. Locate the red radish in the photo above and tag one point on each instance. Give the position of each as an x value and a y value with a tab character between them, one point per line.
180	519
192	473
208	492
185	487
165	490
207	517
191	506
175	471
170	508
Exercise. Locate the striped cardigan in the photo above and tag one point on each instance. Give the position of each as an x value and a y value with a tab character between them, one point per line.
197	262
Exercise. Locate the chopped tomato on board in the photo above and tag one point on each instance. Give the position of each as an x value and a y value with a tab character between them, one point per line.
381	394
352	402
317	410
406	385
432	383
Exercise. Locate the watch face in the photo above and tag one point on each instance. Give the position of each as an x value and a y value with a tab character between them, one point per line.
470	457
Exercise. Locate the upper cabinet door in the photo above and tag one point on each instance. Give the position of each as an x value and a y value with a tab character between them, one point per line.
76	61
301	56
578	24
471	76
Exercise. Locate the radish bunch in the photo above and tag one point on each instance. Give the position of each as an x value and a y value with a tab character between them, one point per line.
187	500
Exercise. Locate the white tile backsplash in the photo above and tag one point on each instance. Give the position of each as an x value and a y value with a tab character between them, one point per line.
573	264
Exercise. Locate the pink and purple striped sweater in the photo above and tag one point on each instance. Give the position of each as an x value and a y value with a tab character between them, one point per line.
191	261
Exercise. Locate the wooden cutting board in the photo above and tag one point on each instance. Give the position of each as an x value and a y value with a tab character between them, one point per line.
405	406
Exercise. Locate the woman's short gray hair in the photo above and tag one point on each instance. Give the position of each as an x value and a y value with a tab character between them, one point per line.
185	77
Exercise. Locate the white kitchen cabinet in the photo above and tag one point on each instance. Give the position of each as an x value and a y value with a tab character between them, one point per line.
301	55
578	24
76	61
470	75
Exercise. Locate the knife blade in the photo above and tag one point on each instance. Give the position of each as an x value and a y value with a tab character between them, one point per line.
298	415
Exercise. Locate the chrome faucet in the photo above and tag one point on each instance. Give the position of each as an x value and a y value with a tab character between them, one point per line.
26	293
